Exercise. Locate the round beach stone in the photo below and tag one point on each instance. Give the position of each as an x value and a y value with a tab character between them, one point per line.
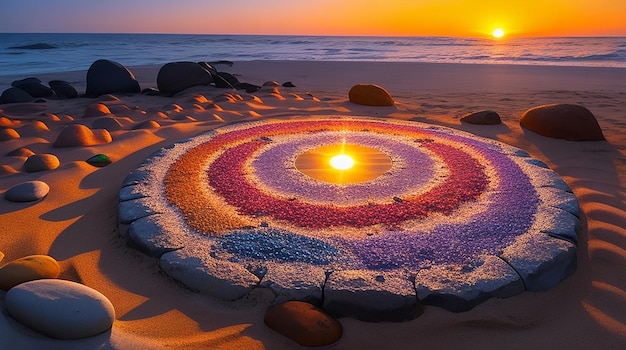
105	77
96	110
75	135
99	160
108	123
147	124
26	269
177	76
63	89
8	134
563	121
21	152
15	95
370	95
60	309
303	323
482	118
27	192
41	162
6	169
33	87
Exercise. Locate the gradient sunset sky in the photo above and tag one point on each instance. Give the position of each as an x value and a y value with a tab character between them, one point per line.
466	18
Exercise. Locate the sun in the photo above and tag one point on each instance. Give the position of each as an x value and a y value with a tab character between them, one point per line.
342	162
498	33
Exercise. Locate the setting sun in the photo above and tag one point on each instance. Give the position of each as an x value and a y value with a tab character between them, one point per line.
498	33
342	162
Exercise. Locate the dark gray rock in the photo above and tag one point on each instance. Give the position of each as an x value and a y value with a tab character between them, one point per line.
63	89
33	87
15	95
482	118
371	297
177	76
27	191
105	77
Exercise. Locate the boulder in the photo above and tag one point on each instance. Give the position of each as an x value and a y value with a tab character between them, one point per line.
178	76
563	121
370	95
28	268
75	135
15	95
482	118
60	309
27	191
303	323
33	87
41	162
105	77
63	89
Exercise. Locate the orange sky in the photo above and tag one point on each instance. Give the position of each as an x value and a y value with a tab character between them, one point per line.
320	17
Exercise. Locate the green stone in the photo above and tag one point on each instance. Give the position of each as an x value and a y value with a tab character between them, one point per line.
99	160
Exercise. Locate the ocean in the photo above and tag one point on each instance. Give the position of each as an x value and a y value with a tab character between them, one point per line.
30	54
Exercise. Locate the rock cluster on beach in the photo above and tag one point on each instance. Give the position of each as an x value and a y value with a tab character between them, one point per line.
29	89
103	121
56	308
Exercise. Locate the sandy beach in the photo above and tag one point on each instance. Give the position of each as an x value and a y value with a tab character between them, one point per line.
77	222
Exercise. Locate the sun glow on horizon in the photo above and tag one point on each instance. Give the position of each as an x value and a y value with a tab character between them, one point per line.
498	33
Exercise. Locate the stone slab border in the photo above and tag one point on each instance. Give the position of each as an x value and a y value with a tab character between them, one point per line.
536	260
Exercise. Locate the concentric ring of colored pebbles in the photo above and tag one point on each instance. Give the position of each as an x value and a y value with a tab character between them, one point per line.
451	220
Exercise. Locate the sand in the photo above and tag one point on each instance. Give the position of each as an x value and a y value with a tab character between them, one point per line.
77	222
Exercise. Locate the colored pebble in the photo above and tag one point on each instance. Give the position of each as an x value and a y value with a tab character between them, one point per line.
26	269
303	323
99	160
60	309
27	191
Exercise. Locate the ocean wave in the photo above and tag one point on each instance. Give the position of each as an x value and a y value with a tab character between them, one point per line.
37	46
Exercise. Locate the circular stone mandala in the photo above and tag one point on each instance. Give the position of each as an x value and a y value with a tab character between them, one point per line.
370	217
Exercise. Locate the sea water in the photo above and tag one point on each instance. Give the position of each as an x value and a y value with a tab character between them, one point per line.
29	53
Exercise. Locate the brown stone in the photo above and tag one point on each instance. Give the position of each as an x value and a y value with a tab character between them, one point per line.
303	323
8	134
41	162
21	152
80	135
96	110
563	121
482	118
147	124
28	268
370	95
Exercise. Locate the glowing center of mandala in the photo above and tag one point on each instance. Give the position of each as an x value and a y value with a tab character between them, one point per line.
343	163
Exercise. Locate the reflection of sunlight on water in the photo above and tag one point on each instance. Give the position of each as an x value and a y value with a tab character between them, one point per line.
343	163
